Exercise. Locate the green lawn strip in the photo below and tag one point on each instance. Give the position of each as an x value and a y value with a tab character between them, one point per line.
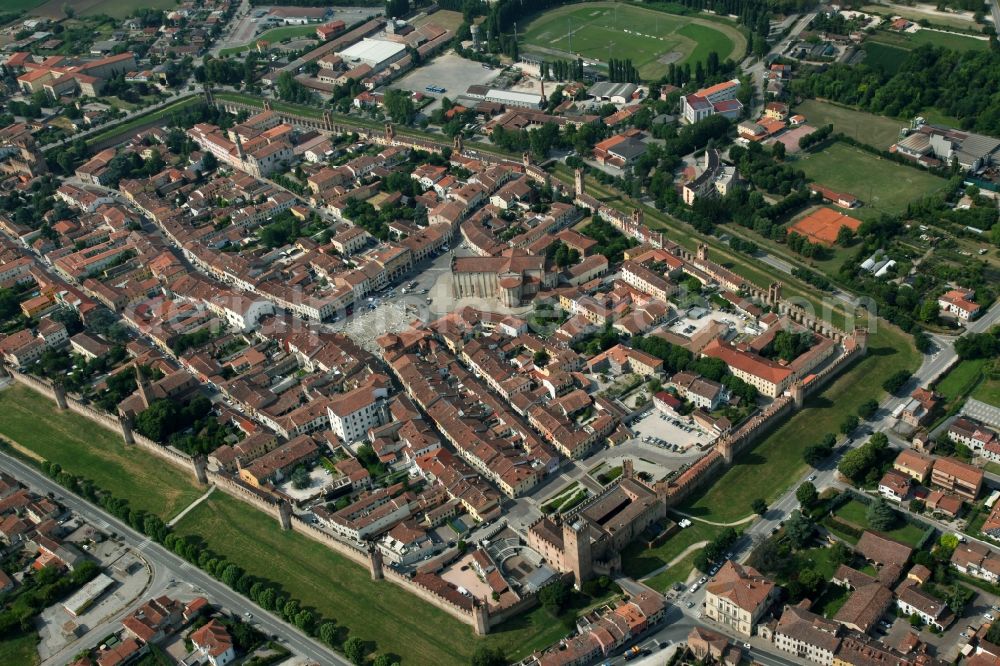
855	512
22	650
876	131
988	391
881	185
340	589
678	573
273	36
961	379
85	448
768	469
158	114
638	561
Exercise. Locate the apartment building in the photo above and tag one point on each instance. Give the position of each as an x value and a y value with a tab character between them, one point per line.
957	477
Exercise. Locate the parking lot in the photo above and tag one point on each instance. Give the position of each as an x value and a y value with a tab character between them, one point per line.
671	434
449	71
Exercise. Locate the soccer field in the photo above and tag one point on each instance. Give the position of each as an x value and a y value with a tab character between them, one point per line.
651	39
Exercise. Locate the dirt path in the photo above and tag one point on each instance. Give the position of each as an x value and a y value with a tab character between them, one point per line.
741	521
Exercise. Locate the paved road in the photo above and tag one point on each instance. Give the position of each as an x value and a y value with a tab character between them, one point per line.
757	69
164	561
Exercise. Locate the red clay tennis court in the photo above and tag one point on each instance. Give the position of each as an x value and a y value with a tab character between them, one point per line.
822	225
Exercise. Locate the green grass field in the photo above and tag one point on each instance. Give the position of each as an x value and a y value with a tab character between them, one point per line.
775	464
21	5
639	561
876	131
948	40
855	512
960	379
882	186
883	56
676	574
83	447
652	39
274	36
21	651
988	391
340	589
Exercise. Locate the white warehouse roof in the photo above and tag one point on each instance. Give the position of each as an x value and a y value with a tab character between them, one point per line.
372	50
514	97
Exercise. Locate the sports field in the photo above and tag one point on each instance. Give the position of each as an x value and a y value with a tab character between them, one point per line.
651	39
882	186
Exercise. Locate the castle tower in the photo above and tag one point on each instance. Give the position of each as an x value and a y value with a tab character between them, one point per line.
375	562
774	293
481	619
267	104
636	217
702	254
578	181
125	423
725	448
526	159
628	468
142	384
542	81
60	394
459	143
390	132
798	394
285	515
576	549
239	148
327	120
200	464
861	338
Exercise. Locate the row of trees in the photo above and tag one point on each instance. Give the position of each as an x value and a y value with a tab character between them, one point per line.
959	84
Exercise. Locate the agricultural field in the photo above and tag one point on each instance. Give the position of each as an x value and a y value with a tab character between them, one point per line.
94	452
948	40
873	130
881	185
274	36
113	8
651	39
